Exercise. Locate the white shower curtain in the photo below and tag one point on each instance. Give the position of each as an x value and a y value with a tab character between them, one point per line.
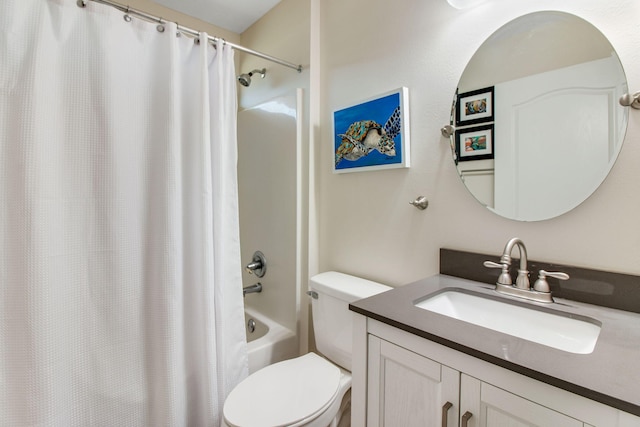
120	286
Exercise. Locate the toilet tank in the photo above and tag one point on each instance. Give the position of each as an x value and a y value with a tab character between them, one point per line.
332	320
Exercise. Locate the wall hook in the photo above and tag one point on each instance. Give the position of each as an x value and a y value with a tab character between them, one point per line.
420	202
628	100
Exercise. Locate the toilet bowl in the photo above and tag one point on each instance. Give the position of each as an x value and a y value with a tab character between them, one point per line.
310	390
298	392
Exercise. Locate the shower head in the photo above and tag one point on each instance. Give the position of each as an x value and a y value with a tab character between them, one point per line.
245	79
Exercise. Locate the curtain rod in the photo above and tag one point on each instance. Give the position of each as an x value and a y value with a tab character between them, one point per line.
212	39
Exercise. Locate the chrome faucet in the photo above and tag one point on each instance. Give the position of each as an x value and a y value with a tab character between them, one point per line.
540	292
522	281
257	288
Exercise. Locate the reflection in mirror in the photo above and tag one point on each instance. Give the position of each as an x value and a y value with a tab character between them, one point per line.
538	123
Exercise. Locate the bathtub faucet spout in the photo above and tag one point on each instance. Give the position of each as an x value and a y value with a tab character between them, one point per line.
257	288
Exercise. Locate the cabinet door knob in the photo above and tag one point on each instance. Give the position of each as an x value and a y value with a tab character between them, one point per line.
465	418
445	413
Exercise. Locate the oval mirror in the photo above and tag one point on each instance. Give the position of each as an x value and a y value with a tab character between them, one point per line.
537	121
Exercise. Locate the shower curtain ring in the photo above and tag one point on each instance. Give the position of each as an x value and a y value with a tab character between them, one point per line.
81	3
126	16
218	42
160	26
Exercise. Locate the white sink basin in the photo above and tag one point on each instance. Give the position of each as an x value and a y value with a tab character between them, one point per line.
553	330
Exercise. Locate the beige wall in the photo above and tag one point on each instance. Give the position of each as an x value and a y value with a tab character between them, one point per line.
283	33
367	227
364	223
167	14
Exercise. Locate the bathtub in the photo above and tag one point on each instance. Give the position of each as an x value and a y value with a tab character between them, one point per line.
268	342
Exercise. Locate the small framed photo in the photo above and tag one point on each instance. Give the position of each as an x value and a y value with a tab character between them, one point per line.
474	107
475	143
372	134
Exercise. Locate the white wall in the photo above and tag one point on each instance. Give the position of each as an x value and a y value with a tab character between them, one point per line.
267	160
366	225
277	227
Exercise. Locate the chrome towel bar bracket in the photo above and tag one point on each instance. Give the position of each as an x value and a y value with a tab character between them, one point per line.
628	100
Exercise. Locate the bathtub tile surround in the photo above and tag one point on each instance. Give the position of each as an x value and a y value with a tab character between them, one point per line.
265	131
603	288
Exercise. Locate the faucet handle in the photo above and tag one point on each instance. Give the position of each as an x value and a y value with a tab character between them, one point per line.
255	265
542	285
258	264
505	277
491	264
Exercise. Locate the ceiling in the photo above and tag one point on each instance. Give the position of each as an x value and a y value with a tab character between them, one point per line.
232	15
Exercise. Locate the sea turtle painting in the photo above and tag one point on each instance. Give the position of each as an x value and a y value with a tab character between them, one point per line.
364	136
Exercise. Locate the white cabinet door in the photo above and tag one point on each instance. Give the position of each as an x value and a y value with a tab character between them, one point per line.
627	420
406	389
491	406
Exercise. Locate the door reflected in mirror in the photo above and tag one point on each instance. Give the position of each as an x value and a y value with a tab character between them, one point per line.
537	123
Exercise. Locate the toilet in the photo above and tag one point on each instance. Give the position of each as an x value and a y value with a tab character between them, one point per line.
310	390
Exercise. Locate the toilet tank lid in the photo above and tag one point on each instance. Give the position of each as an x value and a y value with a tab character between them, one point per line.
345	287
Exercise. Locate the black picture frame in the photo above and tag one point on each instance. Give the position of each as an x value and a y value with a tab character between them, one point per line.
478	141
475	107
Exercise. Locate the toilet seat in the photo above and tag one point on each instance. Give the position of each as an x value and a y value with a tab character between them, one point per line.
288	393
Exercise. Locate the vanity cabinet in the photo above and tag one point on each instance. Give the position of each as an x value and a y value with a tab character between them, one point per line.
493	407
406	381
407	389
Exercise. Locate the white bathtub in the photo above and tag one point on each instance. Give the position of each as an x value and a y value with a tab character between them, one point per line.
269	343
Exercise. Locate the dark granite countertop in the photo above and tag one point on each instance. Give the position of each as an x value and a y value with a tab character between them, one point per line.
610	374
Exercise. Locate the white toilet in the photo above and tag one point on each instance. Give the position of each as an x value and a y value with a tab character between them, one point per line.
308	390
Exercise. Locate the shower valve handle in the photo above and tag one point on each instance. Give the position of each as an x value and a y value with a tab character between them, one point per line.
258	265
253	266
